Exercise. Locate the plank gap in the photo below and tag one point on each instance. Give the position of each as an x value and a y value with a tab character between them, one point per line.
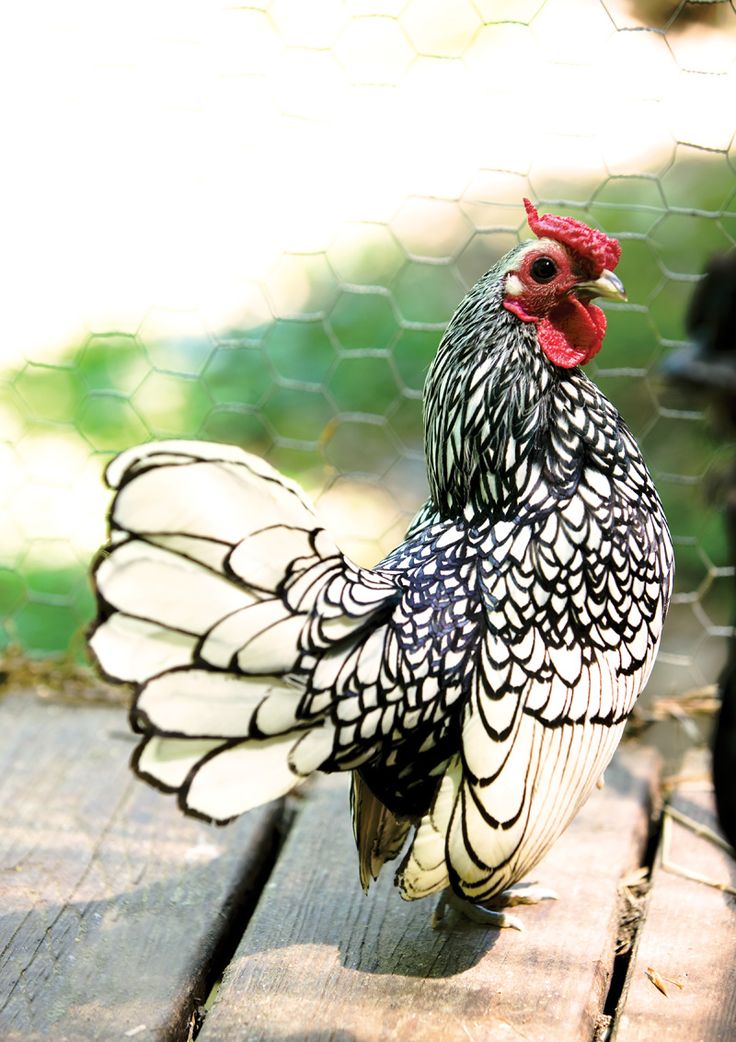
115	909
687	942
236	916
623	960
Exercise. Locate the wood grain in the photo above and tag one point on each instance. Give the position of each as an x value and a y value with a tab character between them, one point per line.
111	902
689	934
322	961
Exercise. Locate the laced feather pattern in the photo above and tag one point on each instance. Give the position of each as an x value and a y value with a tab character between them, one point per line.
476	682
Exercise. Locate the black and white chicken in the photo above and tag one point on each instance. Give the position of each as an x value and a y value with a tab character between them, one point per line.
475	682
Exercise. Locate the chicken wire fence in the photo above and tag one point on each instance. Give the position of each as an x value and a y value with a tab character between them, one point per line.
284	204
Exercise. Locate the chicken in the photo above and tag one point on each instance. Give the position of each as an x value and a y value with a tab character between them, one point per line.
708	364
475	682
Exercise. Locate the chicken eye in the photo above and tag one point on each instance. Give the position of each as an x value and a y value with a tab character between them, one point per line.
543	269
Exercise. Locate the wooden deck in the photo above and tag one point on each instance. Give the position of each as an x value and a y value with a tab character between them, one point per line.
121	919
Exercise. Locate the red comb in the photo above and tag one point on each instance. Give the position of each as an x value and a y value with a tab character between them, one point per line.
600	250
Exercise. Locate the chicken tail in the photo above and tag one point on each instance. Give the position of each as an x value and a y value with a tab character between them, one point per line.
217	594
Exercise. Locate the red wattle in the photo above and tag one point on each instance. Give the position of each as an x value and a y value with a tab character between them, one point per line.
572	333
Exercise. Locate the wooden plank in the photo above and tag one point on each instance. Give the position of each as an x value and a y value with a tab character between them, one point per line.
111	901
689	934
322	961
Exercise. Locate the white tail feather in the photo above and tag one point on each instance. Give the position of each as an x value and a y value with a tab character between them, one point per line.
215	579
259	558
169	761
190	702
241	777
132	650
151	583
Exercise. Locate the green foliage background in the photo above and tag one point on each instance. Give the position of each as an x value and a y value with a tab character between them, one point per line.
341	391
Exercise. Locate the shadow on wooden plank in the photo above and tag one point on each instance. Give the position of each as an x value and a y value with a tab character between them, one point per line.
320	960
114	905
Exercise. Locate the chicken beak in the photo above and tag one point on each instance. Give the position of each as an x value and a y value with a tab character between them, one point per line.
607	285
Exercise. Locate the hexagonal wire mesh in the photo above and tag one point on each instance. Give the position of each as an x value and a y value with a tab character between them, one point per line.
369	160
